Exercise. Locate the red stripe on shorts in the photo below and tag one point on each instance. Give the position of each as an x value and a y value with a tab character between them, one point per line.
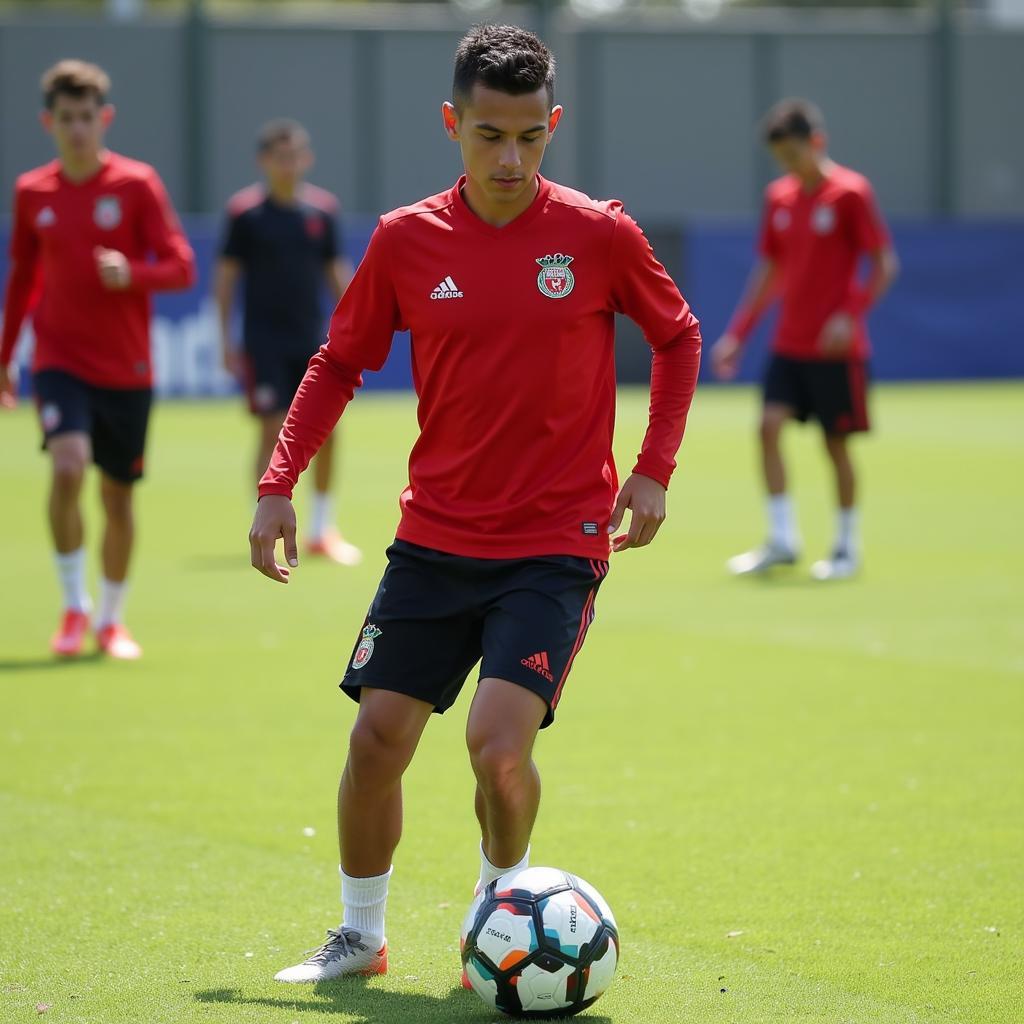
600	570
858	395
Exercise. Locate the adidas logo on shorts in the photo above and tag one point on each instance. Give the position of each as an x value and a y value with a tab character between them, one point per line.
539	663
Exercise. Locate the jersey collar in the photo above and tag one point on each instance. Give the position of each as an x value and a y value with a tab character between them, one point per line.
470	219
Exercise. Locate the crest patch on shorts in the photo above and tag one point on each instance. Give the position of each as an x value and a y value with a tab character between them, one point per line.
49	416
364	652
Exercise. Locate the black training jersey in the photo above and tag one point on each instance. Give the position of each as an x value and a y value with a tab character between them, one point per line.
283	251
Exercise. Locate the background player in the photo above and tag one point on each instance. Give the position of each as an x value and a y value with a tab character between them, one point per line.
819	220
282	242
509	285
95	232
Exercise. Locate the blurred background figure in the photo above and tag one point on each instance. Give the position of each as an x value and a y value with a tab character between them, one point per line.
281	242
819	220
94	233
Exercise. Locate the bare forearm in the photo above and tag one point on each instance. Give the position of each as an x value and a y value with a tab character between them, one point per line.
338	275
757	297
225	285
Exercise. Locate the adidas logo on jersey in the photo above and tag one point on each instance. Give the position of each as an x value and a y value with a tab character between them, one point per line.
447	289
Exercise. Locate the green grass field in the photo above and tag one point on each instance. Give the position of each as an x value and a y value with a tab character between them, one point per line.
804	803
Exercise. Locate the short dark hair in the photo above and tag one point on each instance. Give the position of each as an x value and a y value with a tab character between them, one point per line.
505	58
281	129
791	119
75	78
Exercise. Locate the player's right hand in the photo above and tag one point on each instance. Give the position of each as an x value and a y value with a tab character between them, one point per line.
725	356
234	361
8	386
274	518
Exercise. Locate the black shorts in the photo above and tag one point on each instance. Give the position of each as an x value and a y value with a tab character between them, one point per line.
435	615
273	375
116	419
834	392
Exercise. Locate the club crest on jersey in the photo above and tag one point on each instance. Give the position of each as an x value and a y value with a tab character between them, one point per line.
364	652
314	226
823	219
555	279
46	218
107	212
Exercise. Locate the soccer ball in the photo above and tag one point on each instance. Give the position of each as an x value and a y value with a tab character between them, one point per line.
539	943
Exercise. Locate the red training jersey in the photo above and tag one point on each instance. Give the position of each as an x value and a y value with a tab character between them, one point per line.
816	239
513	363
81	327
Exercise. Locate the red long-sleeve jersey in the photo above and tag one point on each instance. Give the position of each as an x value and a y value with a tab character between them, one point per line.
81	327
513	363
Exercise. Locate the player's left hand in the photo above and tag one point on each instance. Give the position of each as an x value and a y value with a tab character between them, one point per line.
9	387
115	273
645	498
837	335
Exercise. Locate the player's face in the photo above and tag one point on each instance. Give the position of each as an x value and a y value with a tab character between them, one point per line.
797	156
502	139
78	124
287	162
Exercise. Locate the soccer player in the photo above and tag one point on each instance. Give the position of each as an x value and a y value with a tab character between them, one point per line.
96	233
509	284
819	221
282	242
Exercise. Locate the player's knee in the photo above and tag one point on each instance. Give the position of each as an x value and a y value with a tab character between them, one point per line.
497	763
771	427
68	470
376	751
118	508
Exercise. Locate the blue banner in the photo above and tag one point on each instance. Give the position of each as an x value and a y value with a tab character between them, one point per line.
956	312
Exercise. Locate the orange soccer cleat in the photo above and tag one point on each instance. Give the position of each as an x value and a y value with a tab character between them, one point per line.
69	638
117	642
333	546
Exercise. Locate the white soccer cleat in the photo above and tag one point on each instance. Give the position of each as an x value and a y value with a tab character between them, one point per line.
344	954
841	565
770	554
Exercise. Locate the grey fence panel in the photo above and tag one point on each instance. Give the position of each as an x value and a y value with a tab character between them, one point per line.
663	116
673	115
990	157
874	90
144	62
256	74
414	78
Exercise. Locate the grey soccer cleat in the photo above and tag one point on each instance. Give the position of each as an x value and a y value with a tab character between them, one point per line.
343	954
770	554
840	565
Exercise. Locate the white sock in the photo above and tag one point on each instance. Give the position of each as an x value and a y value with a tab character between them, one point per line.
846	531
365	900
321	520
112	597
71	570
489	872
782	521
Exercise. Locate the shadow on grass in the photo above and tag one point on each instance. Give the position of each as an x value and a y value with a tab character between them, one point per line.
784	579
217	563
35	664
371	1005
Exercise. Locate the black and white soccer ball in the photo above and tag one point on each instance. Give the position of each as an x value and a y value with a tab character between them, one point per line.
540	943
